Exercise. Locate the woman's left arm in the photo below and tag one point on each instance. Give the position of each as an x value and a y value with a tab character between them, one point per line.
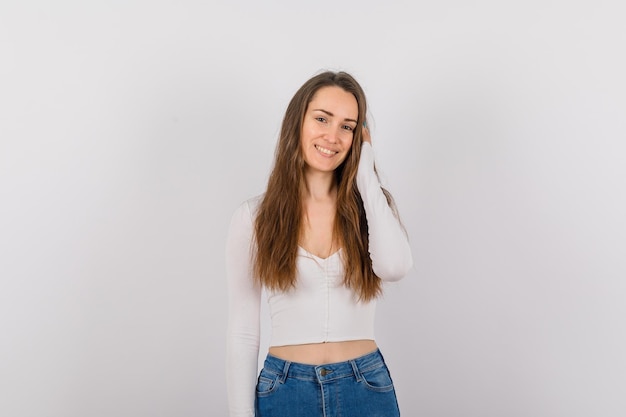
388	243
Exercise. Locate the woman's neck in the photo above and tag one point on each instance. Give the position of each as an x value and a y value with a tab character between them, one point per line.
320	185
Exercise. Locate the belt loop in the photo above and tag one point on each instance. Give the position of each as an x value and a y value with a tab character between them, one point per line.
357	373
285	371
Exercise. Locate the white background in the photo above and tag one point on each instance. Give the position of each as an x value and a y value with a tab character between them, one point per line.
131	130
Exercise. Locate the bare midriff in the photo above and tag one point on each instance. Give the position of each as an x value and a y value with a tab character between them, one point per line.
324	353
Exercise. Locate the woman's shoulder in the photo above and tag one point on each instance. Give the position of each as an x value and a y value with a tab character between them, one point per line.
250	206
254	203
242	219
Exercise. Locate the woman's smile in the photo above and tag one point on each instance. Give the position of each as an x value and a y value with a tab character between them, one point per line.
325	152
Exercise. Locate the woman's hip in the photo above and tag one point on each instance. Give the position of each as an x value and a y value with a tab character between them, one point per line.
358	387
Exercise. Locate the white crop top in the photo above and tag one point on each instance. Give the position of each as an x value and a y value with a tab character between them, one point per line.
320	308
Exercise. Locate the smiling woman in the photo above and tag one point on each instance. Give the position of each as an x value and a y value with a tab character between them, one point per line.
321	240
327	129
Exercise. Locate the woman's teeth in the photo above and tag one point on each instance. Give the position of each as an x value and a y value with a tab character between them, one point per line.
324	150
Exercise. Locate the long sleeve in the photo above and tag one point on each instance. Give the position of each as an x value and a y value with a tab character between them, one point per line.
388	244
244	300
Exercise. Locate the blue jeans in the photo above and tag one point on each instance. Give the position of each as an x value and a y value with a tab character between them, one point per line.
360	387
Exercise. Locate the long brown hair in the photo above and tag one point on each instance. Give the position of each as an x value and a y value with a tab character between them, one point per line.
278	222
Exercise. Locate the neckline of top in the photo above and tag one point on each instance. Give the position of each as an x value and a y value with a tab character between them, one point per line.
332	255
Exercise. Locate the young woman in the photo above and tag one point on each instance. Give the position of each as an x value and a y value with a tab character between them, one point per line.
321	241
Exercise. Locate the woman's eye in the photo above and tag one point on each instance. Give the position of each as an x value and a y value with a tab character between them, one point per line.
348	127
321	119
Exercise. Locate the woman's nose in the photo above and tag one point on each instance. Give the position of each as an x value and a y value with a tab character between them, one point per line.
332	135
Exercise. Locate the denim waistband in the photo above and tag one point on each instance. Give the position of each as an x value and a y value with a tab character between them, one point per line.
327	372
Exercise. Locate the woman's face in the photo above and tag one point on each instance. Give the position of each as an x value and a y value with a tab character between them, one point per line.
328	128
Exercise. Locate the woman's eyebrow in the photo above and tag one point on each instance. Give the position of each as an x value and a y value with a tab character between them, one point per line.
332	115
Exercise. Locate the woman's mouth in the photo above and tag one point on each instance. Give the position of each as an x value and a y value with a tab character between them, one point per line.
325	151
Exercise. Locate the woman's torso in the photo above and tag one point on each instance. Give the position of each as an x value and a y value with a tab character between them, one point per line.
324	353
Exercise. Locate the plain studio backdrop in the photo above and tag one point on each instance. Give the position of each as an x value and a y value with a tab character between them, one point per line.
131	130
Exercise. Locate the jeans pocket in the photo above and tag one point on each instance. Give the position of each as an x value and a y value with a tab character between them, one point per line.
267	383
378	379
